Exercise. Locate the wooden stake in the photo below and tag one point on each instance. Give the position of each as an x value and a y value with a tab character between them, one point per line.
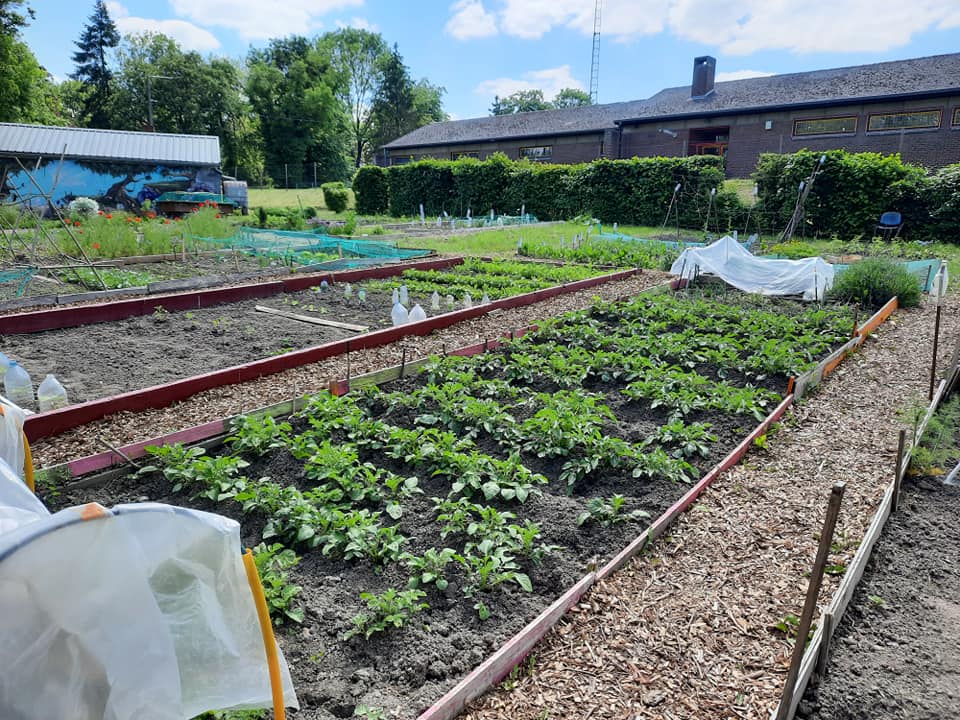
826	628
348	366
810	604
898	471
403	360
936	342
119	452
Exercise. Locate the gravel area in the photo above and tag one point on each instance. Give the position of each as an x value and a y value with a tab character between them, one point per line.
688	629
124	428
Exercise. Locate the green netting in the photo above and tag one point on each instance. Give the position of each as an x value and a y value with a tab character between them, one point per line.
307	248
195	197
21	276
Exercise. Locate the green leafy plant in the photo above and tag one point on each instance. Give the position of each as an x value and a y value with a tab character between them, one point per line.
873	281
391	608
258	434
609	512
430	567
272	563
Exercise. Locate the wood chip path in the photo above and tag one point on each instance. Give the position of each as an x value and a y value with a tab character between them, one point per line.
687	630
125	428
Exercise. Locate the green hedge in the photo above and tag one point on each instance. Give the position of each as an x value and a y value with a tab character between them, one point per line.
335	196
850	192
634	191
372	190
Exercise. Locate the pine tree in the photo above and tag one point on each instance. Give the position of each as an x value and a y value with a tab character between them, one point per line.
99	36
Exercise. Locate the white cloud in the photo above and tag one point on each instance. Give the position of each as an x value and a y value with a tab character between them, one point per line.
551	81
470	20
261	19
734	27
358	23
188	35
741	75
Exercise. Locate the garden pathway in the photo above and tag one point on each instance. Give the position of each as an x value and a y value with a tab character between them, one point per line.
688	629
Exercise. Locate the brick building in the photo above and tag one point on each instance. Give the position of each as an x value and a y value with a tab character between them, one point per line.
906	106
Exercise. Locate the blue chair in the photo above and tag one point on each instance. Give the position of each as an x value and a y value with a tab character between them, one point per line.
889	225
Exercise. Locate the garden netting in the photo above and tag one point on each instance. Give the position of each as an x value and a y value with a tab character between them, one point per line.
20	276
316	250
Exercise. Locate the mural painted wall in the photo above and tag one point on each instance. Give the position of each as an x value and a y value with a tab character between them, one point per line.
114	185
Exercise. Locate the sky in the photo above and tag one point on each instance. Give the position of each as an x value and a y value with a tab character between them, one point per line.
477	49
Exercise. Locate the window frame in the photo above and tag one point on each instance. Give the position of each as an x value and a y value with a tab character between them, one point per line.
913	128
536	158
475	154
955	118
856	126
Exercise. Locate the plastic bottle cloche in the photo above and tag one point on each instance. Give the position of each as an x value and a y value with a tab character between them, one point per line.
17	386
399	315
51	395
417	313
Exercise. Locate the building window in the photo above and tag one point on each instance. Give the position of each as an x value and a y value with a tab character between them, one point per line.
457	154
846	125
956	117
538	152
915	120
400	159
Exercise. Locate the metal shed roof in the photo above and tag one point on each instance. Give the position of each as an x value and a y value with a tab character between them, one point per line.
114	145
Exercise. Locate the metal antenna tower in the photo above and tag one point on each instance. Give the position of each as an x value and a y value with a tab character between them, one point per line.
595	59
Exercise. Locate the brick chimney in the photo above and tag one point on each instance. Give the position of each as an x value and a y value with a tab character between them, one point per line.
704	69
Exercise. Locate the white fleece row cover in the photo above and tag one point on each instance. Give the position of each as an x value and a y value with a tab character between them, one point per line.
730	261
142	611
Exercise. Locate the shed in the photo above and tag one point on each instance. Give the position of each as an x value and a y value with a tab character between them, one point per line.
117	168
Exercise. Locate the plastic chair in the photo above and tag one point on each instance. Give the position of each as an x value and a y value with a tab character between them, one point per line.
889	225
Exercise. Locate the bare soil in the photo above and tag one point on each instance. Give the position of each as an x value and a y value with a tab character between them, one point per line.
105	359
896	654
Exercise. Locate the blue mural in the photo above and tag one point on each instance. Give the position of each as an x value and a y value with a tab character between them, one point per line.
113	185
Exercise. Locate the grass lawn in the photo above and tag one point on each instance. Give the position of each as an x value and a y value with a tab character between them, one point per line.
283	198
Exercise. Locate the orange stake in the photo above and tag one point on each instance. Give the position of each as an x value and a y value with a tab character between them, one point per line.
266	627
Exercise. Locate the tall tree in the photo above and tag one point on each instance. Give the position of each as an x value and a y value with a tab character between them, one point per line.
98	38
571	97
520	101
300	120
357	59
11	19
22	82
400	105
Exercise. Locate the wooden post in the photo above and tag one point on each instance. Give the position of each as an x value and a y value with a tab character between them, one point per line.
936	340
403	361
827	628
348	366
898	471
810	604
856	321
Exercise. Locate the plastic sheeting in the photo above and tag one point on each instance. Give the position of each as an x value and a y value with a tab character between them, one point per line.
12	449
139	612
730	261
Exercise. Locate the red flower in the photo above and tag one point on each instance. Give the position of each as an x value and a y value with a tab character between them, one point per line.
99	212
109	216
137	219
76	223
95	246
151	215
167	221
129	219
218	216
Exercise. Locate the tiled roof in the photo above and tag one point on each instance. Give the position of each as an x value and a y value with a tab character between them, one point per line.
115	145
899	77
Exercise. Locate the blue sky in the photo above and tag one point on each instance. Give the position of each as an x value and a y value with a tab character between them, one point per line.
479	48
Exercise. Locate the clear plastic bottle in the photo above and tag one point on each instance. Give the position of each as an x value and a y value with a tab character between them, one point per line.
396	297
362	295
51	394
347	290
467	301
18	387
4	364
417	313
399	315
449	301
485	300
435	301
404	295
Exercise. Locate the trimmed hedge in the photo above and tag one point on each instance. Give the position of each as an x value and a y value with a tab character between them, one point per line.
634	191
850	192
371	189
335	196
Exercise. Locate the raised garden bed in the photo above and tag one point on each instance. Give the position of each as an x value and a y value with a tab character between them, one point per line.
108	358
576	430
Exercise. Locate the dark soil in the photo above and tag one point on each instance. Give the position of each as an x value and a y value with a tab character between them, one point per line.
104	359
896	653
